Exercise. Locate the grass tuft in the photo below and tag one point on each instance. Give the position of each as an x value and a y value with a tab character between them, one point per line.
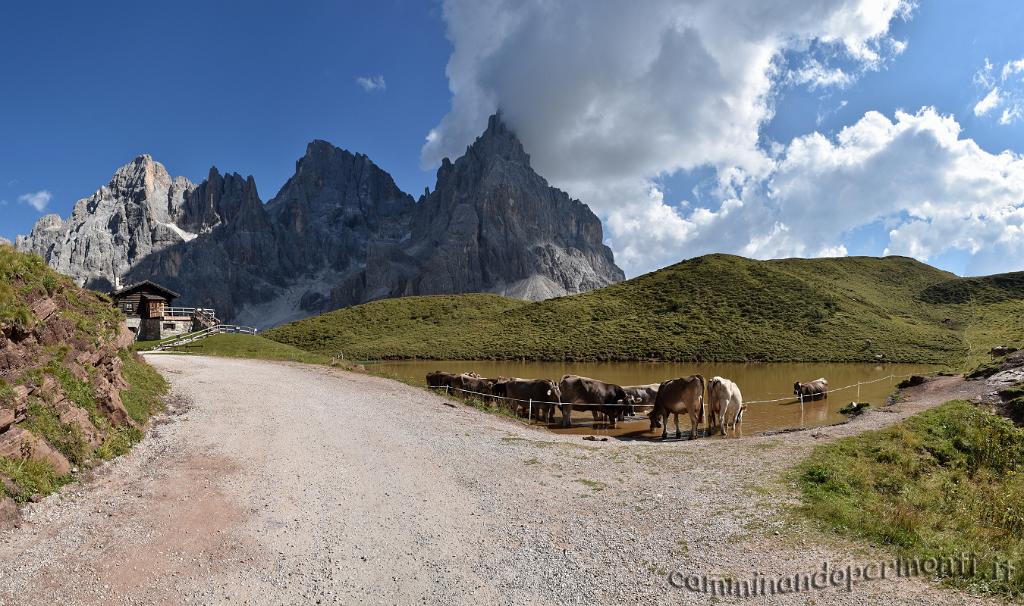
42	420
31	477
144	396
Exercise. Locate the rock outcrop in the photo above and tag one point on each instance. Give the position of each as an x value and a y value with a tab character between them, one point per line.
61	370
238	261
340	232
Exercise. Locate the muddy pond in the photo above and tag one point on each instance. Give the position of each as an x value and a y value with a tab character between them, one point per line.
756	381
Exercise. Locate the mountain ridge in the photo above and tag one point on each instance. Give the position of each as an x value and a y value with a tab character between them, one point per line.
338	233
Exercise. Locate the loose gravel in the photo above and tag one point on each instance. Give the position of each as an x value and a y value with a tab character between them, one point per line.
276	483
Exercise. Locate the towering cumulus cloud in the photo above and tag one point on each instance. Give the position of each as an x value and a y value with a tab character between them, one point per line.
608	97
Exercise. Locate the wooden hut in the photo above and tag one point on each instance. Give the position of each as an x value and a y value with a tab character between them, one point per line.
150	315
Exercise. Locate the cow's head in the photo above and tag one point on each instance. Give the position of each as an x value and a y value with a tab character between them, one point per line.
655	417
796	388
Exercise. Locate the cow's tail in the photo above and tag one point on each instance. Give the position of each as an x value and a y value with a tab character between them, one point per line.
703	383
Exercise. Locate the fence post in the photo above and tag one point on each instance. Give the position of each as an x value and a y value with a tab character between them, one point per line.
529	411
858	392
446	392
801	408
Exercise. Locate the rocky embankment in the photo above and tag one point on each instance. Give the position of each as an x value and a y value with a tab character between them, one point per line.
63	357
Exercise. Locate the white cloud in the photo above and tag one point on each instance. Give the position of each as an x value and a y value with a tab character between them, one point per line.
372	83
1003	91
934	189
609	96
1010	115
913	175
1011	68
37	200
988	102
816	75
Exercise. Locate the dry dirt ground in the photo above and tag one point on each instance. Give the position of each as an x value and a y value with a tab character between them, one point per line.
289	484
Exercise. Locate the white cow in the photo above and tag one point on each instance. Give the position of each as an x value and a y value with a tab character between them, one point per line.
725	404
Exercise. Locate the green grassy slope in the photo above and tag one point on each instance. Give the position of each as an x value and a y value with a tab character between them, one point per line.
251	346
715	308
946	482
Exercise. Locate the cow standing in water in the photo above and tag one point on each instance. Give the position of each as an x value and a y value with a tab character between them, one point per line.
641	397
590	394
724	398
676	396
542	392
815	390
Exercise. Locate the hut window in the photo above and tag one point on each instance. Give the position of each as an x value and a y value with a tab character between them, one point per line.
129	307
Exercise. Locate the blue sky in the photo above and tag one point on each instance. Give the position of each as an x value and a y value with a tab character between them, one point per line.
88	86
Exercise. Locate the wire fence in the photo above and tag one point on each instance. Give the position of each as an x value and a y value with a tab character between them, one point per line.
792	398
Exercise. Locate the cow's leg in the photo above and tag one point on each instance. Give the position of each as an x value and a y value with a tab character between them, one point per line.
566	414
679	432
612	417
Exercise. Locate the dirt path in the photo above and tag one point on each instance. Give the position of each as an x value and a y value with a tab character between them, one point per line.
286	484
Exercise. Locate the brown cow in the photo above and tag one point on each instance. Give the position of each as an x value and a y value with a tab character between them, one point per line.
543	393
641	397
677	396
440	379
590	394
815	390
472	385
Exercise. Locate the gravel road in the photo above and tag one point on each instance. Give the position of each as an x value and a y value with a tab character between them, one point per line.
275	483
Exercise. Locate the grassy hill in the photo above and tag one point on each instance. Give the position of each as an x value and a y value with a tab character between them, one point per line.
251	346
716	307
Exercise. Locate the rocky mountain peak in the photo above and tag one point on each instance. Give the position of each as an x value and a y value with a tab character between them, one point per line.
499	141
498	226
140	178
217	200
134	214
